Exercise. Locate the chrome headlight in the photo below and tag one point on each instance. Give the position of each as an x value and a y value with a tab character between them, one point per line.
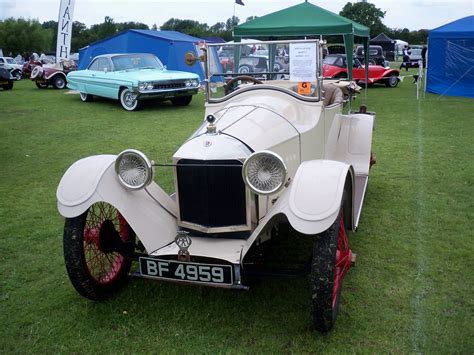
142	86
187	83
194	82
264	172
149	86
134	169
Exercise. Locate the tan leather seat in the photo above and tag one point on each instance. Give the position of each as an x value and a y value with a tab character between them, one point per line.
332	95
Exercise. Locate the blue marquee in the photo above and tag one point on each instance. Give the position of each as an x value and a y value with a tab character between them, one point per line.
451	59
170	46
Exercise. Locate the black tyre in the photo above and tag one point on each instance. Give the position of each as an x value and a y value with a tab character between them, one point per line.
85	97
372	62
391	81
17	75
245	69
331	260
41	85
94	244
129	100
181	100
59	82
8	86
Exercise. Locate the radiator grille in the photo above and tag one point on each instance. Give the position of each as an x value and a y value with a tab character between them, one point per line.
211	194
169	85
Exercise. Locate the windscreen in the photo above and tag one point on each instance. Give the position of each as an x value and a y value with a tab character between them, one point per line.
293	65
136	61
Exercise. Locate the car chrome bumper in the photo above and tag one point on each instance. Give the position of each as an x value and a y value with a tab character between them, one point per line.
148	94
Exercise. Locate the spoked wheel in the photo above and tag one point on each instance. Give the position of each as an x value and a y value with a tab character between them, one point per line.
331	261
128	100
94	246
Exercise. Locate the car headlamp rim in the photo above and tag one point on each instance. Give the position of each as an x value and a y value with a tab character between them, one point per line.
276	160
142	85
146	168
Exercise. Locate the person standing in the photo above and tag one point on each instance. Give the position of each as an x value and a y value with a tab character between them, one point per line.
423	55
406	58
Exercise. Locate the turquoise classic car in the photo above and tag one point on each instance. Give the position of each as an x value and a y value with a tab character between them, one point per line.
131	78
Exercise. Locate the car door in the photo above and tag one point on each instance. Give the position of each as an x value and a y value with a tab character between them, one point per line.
99	82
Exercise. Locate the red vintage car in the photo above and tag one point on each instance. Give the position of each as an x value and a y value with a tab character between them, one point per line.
335	66
52	74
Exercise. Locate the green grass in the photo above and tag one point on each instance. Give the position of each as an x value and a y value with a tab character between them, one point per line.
411	290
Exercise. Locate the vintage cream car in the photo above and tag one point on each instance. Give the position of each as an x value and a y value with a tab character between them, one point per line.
268	156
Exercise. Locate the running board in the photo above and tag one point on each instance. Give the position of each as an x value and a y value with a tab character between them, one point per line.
360	188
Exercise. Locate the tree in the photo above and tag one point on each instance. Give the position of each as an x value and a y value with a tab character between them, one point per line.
190	27
20	36
366	14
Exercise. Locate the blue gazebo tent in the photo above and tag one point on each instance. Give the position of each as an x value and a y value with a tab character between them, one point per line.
169	46
451	59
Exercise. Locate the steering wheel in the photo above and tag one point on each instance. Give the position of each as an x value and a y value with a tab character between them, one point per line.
230	84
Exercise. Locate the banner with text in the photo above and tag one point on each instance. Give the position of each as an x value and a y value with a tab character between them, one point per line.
66	13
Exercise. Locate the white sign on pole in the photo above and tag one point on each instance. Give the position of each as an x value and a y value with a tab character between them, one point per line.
66	12
302	62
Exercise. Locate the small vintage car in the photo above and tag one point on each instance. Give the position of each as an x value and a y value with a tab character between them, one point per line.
13	68
6	80
52	74
131	78
270	158
376	56
335	66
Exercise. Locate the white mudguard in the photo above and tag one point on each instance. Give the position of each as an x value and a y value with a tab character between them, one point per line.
149	211
313	199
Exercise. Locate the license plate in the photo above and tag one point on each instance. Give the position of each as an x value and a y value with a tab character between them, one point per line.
184	271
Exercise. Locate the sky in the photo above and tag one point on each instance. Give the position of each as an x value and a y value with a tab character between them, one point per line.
411	14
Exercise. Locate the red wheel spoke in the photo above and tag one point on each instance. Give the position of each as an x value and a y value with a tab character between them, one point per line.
343	259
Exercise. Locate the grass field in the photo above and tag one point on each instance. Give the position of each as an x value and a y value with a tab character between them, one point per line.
411	290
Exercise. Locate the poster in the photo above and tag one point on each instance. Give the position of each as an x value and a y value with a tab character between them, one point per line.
303	62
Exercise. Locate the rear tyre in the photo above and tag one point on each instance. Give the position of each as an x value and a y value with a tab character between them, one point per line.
331	260
181	100
129	100
85	97
59	82
41	85
391	81
94	243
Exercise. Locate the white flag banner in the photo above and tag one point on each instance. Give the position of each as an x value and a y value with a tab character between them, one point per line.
66	12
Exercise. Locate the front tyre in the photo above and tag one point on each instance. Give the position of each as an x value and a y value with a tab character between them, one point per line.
129	100
392	81
94	243
85	97
181	100
59	82
331	260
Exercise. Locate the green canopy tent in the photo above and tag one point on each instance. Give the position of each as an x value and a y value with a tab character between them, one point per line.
307	20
